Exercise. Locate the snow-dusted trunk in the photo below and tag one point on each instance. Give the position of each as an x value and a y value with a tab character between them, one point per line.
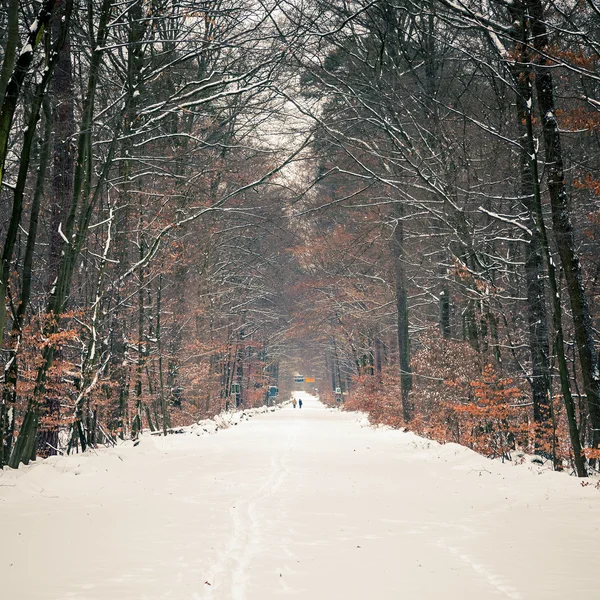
534	250
10	100
11	373
10	46
135	62
538	342
120	365
62	188
561	218
537	252
63	151
91	367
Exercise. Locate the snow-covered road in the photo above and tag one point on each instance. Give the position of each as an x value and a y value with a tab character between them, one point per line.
308	504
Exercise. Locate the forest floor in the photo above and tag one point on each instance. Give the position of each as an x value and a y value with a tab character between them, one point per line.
307	503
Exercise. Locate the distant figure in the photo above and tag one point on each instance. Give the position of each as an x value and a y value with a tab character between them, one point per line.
299	403
294	402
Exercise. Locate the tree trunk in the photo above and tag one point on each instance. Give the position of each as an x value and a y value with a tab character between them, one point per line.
7	112
532	194
561	218
9	392
63	151
534	250
445	312
402	308
162	396
10	47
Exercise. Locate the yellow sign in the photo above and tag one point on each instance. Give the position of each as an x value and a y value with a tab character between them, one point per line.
310	380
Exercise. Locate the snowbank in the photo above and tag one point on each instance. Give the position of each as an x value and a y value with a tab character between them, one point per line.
228	419
38	471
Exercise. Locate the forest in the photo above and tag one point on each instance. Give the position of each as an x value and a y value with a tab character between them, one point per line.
202	198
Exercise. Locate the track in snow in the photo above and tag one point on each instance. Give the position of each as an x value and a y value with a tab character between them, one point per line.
308	504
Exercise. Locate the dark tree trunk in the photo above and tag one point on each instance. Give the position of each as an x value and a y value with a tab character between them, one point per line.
445	312
534	250
7	113
561	218
11	372
10	47
161	379
378	352
533	201
63	150
402	309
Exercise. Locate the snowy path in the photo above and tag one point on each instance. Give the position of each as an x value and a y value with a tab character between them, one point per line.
303	504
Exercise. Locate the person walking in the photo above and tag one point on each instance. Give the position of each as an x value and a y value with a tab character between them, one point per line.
299	403
294	402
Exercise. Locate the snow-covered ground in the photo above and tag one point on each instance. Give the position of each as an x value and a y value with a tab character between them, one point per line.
303	503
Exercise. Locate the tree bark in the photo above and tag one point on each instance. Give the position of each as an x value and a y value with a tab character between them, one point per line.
534	250
9	391
7	112
63	151
10	47
80	212
532	198
402	309
561	218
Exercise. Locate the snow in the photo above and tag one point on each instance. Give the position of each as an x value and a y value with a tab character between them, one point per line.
62	235
27	49
307	503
